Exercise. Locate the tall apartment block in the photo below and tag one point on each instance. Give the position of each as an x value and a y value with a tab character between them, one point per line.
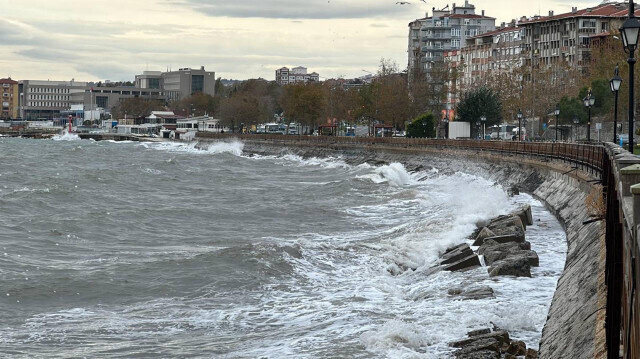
9	94
554	39
284	76
446	30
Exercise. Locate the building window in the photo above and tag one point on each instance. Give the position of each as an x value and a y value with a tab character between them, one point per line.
102	101
197	83
154	83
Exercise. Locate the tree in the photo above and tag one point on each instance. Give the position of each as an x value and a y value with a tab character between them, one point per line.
136	108
198	104
422	126
303	103
478	103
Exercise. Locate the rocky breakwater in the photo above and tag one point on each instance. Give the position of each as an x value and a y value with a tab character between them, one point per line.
503	249
501	245
492	343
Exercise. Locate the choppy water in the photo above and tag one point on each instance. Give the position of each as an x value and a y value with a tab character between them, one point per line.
165	250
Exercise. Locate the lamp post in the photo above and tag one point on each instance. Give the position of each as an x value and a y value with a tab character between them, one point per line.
484	120
575	129
615	82
519	115
589	101
629	31
557	114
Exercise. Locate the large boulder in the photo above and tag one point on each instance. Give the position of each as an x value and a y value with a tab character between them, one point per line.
456	253
525	214
484	233
517	348
473	294
482	347
508	246
515	266
468	262
501	336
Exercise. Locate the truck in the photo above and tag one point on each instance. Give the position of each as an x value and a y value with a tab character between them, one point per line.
459	130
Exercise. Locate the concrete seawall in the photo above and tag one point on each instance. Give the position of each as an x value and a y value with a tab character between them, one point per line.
575	323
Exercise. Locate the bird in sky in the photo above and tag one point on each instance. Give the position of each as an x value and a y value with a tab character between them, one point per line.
403	3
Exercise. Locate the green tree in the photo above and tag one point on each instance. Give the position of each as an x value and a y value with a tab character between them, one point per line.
422	126
136	108
480	102
570	108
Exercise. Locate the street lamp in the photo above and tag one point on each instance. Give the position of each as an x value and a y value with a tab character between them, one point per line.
575	129
557	114
615	82
589	101
484	120
519	115
630	30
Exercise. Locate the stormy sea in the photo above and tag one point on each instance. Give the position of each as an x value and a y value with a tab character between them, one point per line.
178	250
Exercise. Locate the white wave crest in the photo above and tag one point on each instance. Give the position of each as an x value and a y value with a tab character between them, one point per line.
395	174
66	136
233	147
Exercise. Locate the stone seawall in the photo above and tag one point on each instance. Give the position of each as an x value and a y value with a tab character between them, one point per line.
575	323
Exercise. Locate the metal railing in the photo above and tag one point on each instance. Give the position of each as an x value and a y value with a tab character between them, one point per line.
588	157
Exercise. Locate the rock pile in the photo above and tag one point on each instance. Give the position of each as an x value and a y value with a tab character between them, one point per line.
491	344
502	244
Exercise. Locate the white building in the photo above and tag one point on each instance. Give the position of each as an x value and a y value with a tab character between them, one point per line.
299	74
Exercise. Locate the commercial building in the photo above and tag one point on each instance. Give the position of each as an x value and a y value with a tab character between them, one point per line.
445	30
9	93
299	74
44	100
177	85
556	39
149	80
105	98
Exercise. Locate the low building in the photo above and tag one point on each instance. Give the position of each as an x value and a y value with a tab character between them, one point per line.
45	100
299	74
9	99
105	98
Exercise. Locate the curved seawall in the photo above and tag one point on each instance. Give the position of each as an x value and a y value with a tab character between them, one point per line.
575	323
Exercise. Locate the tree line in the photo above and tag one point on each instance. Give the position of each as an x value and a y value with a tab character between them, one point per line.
387	99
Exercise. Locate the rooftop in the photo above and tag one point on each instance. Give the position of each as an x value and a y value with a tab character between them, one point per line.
615	10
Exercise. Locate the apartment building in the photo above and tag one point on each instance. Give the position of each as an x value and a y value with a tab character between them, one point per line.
446	30
9	94
555	39
44	100
285	76
495	52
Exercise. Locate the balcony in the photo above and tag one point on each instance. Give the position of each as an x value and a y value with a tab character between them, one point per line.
438	48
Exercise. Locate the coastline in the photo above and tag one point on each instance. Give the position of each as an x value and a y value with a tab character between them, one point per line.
575	322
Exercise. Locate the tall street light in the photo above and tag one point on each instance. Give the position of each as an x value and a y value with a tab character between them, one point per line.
589	101
615	82
519	115
629	31
575	129
557	114
484	120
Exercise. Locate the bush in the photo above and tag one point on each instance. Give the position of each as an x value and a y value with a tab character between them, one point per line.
422	126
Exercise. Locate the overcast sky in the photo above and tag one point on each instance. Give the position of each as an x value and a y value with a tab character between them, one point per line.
240	39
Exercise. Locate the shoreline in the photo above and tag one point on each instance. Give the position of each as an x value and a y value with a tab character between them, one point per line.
575	322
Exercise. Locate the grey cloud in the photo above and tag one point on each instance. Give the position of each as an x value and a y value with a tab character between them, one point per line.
295	9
